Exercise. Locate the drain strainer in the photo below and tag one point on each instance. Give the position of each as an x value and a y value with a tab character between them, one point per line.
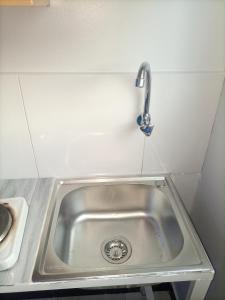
117	250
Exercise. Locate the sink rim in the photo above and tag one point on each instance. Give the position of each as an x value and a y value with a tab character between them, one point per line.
45	271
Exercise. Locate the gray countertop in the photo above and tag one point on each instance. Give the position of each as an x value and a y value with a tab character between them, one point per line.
37	193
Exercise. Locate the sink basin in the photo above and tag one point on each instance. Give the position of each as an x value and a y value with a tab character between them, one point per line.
90	216
115	227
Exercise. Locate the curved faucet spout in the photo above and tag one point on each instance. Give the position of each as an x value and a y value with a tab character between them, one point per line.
144	79
144	75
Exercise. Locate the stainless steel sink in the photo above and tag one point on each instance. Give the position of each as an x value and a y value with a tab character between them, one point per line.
89	216
104	227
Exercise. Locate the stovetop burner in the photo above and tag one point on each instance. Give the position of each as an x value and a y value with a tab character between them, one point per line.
5	222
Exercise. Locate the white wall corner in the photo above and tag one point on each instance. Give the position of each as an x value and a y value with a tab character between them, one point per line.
186	185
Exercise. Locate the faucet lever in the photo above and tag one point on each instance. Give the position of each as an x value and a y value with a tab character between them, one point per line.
144	78
145	125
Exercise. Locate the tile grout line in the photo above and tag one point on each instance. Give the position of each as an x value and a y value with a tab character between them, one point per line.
88	72
143	153
213	125
25	112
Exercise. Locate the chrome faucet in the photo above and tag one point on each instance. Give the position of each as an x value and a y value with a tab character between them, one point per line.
144	120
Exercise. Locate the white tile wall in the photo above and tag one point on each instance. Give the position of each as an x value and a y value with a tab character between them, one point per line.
84	124
183	110
186	185
113	36
208	211
16	156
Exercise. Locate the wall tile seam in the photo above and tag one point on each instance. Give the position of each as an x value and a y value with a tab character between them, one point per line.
74	74
143	157
163	167
196	174
213	126
28	127
175	72
185	173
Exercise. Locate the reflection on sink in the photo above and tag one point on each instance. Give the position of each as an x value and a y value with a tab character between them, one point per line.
115	227
140	213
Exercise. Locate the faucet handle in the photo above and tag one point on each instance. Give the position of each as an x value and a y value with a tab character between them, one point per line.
144	121
139	120
147	130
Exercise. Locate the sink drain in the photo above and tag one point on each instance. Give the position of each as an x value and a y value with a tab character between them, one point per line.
116	250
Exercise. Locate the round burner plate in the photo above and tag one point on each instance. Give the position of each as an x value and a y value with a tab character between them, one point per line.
5	222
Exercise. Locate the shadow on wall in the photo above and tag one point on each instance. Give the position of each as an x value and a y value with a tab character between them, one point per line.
208	213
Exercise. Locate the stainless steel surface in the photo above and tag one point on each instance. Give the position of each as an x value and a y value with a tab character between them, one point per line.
141	213
144	78
5	222
86	212
117	250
